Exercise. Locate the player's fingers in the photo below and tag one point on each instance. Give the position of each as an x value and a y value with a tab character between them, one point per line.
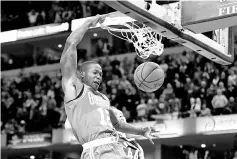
155	132
94	20
150	140
154	135
153	129
98	18
102	18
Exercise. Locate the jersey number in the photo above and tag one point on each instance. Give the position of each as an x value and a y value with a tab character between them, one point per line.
104	117
132	155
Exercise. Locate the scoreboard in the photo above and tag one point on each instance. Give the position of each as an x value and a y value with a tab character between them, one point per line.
202	16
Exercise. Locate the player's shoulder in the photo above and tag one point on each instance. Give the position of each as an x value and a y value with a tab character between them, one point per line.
105	96
71	97
117	111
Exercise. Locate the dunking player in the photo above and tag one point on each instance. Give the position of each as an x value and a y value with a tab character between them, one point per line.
92	119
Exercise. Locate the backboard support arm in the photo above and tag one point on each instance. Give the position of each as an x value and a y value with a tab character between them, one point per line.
163	20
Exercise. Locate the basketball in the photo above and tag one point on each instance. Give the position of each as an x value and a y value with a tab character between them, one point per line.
149	76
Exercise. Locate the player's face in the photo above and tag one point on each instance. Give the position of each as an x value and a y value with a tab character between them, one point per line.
93	76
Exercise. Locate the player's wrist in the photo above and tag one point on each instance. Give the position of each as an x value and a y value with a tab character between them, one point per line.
142	131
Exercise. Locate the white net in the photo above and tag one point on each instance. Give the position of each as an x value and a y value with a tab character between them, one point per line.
144	39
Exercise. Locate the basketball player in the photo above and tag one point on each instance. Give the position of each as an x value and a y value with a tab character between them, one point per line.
92	119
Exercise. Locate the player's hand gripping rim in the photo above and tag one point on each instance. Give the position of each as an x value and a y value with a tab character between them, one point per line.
97	19
150	132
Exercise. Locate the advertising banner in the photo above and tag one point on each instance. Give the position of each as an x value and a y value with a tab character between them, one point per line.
191	126
8	36
32	32
29	140
217	124
41	30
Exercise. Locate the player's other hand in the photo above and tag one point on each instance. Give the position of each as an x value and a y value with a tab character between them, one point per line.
149	133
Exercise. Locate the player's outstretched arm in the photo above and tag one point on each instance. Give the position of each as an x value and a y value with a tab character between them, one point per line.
68	61
128	128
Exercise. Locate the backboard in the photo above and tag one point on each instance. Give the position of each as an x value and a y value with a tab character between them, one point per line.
202	16
167	20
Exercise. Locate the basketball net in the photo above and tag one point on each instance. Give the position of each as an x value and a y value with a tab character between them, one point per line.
144	39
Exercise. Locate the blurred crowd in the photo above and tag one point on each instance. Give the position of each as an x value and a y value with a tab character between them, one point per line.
29	13
43	56
193	87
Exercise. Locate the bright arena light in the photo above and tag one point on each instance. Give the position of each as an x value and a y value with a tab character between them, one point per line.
203	145
60	45
32	157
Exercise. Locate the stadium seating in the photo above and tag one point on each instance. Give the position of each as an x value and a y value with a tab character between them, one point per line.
190	92
198	87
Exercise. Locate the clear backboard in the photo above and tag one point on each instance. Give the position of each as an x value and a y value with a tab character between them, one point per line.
169	21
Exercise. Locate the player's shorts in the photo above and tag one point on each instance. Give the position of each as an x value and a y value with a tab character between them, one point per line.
120	149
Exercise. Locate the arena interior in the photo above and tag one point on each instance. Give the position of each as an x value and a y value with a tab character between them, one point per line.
195	109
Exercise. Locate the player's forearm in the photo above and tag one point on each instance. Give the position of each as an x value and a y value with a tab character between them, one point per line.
123	126
128	128
68	59
77	35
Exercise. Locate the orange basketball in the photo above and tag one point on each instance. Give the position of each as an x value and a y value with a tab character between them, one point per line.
149	76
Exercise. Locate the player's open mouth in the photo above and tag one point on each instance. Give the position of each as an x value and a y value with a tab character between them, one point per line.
96	82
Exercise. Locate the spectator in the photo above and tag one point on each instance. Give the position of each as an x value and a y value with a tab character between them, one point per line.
222	87
232	78
205	111
210	94
223	78
151	109
58	17
168	91
127	114
45	13
202	90
179	91
176	109
41	18
231	107
216	79
142	111
114	82
33	15
195	106
163	106
125	83
231	90
67	14
219	101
